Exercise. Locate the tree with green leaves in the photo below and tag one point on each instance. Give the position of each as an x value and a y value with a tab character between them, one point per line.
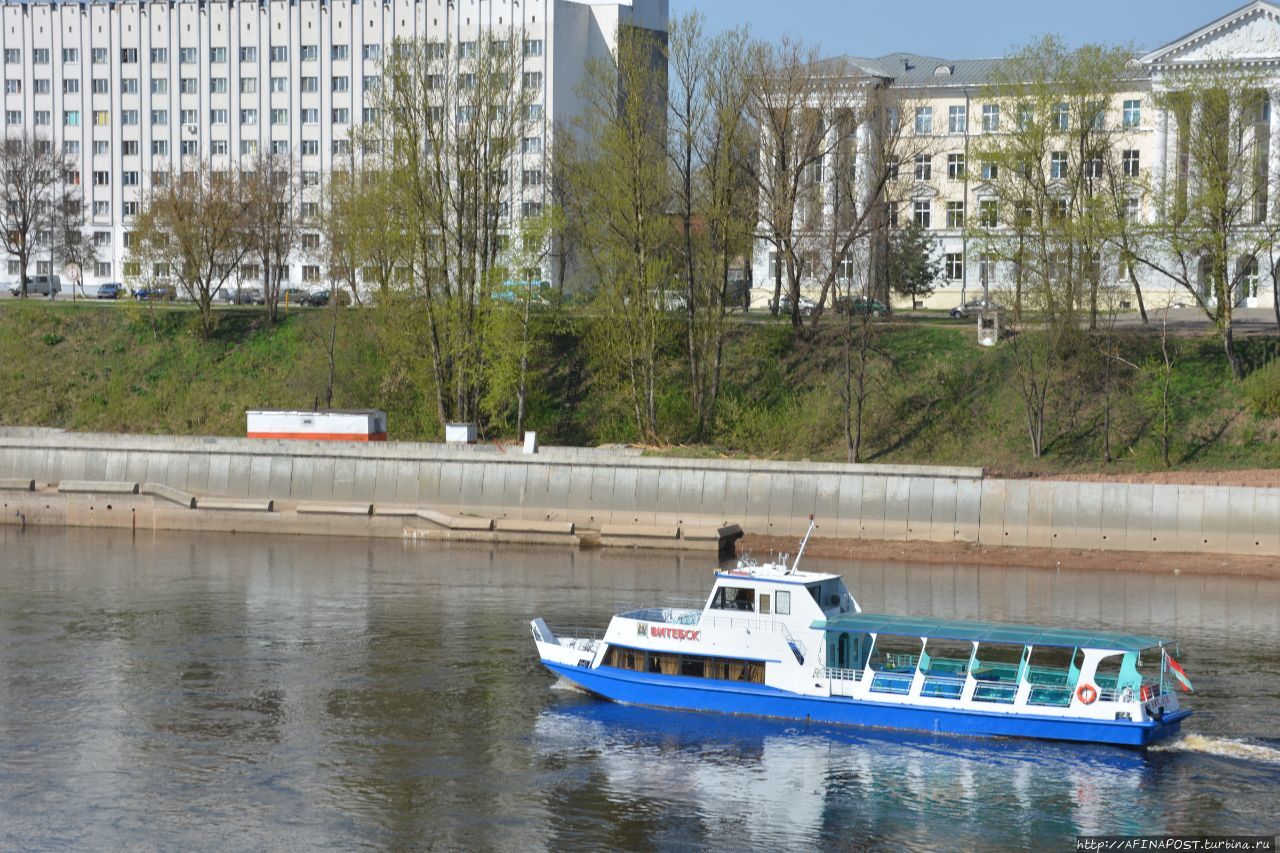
35	193
912	264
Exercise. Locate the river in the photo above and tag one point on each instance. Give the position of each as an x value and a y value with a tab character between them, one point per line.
246	693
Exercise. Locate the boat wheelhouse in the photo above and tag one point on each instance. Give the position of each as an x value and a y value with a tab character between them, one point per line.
774	641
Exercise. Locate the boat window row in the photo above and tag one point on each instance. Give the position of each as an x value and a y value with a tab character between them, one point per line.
743	598
694	666
998	669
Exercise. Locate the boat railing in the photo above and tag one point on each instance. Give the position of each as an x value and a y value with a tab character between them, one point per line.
579	639
836	673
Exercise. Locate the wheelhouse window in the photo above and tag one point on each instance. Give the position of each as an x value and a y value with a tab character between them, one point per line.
734	598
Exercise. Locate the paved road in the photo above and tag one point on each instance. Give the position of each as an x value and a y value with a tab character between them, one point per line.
1192	321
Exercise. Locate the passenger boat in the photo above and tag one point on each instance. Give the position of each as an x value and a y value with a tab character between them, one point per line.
774	641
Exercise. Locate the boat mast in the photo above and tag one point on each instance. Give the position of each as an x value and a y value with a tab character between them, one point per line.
796	564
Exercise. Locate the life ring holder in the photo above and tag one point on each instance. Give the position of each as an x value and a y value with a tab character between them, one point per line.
1087	693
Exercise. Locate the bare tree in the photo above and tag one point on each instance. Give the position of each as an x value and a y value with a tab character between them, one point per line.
33	191
270	195
191	231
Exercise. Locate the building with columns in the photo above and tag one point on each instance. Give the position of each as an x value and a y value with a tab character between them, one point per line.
127	88
947	113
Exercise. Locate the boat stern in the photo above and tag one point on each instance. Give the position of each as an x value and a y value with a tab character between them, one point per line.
563	650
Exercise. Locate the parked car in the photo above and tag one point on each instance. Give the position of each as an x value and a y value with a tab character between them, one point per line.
39	285
294	296
154	293
320	298
110	290
974	306
860	305
807	306
248	296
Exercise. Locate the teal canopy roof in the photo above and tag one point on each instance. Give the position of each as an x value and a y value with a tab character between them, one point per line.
986	632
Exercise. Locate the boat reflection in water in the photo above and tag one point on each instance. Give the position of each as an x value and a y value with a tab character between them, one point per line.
777	782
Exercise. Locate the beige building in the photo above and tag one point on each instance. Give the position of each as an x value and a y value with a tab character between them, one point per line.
948	114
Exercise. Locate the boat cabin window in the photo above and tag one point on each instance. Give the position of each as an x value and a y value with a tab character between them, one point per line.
782	603
1055	666
764	603
996	662
692	666
734	598
1119	672
895	654
946	657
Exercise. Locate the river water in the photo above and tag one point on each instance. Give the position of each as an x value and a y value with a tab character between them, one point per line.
189	692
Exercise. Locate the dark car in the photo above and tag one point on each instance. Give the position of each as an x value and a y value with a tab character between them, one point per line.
860	305
110	290
974	306
320	298
248	296
155	293
807	306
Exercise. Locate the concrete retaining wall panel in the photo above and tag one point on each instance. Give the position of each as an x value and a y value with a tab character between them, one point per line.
603	501
450	485
1266	521
114	464
470	483
874	496
406	488
322	476
1164	518
492	487
736	484
179	469
1215	526
237	477
646	495
302	483
804	502
344	479
691	482
826	502
1114	526
281	484
1017	497
1191	518
781	488
135	466
942	518
1040	523
580	490
1240	538
897	507
198	472
219	473
919	507
95	465
558	490
429	483
711	504
968	509
1066	498
1089	515
384	480
1138	505
511	501
756	518
260	476
991	520
849	507
364	480
622	497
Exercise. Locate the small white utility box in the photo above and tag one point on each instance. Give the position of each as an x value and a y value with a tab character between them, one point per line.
989	328
352	425
460	433
530	442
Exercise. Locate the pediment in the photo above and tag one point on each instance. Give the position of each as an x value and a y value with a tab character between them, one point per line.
922	191
1251	33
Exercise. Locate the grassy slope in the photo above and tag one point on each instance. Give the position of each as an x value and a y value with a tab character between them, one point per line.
942	400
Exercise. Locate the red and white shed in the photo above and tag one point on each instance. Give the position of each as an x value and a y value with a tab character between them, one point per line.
351	425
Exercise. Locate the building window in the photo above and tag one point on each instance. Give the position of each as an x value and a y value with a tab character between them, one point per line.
310	84
311	241
533	47
958	119
531	208
187	55
71	86
279	53
280	147
159	54
13	117
12	56
1058	209
70	54
310	147
248	85
310	272
1062	117
532	178
128	208
188	85
311	115
218	85
921	213
339	52
311	179
102	269
532	145
71	118
990	171
955	214
101	86
13	87
218	147
250	116
1131	162
281	117
129	85
71	147
160	85
373	82
248	148
217	54
341	146
533	80
217	116
249	53
101	209
467	50
190	116
1058	164
924	121
990	118
130	179
342	84
987	213
1093	167
99	55
40	56
190	148
924	167
128	55
341	115
128	117
280	84
1130	209
955	166
953	266
102	179
309	52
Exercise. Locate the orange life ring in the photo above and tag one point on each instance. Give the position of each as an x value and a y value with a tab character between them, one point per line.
1088	694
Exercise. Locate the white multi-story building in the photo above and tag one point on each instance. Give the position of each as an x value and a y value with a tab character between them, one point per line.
127	89
951	111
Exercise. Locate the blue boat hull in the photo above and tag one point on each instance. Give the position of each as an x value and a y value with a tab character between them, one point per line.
689	694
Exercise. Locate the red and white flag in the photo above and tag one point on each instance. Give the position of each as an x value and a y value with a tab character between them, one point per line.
1178	673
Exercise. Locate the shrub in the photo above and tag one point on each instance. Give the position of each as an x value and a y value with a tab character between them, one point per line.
1262	389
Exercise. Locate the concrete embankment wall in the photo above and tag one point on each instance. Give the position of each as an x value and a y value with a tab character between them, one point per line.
595	487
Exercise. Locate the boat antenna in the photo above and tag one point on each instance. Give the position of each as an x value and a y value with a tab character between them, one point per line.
796	564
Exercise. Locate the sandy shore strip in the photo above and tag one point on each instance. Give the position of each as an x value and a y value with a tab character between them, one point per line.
968	554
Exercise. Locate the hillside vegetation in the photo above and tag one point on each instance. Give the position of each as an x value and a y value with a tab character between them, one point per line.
936	397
